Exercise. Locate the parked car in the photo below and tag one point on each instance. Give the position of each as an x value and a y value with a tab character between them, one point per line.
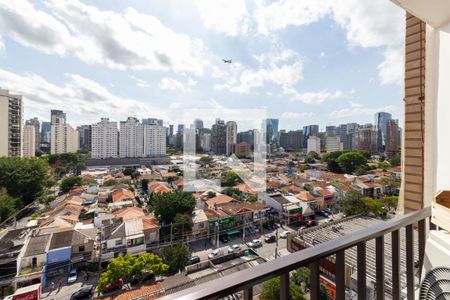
223	238
114	286
329	220
328	211
194	260
147	277
73	275
270	238
254	244
216	253
311	223
10	297
285	234
84	293
235	248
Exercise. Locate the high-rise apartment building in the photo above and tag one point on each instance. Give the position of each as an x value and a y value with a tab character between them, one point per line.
270	126
313	144
231	136
85	132
11	116
198	124
37	131
247	136
152	121
291	140
29	143
219	137
131	138
46	128
63	137
104	139
392	133
367	138
308	131
333	143
154	141
381	120
330	130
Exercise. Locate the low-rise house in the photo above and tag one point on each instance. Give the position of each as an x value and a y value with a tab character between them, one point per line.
113	238
220	199
32	259
121	195
367	188
200	223
158	187
11	244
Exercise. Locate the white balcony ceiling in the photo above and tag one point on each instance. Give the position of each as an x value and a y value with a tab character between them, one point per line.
434	12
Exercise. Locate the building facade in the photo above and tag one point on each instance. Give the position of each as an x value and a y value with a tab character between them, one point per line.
333	143
219	137
381	121
367	138
37	131
131	138
29	143
313	144
85	133
11	116
154	141
231	136
105	139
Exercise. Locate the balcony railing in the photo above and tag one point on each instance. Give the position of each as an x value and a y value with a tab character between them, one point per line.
245	280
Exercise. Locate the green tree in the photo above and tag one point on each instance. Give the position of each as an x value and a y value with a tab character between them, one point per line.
300	277
374	207
271	290
323	292
128	171
69	182
331	160
350	161
396	160
251	198
23	178
126	266
176	257
182	223
109	182
353	204
233	192
390	202
229	178
311	157
8	205
211	194
167	205
144	185
206	160
364	153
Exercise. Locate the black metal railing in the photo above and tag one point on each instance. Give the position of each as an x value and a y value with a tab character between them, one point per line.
245	280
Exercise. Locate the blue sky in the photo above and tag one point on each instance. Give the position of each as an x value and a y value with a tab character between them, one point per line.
305	61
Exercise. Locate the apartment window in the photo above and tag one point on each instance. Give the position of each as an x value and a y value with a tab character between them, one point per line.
118	242
34	262
81	249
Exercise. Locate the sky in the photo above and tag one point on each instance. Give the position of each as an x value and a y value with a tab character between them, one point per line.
323	62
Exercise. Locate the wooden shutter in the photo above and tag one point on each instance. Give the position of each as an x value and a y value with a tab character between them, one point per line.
413	146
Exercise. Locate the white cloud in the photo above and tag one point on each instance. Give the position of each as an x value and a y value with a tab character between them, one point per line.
88	99
227	16
376	23
279	15
171	84
312	97
295	115
357	109
118	40
140	82
284	76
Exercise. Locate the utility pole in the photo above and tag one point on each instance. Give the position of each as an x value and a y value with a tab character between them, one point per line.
276	243
217	234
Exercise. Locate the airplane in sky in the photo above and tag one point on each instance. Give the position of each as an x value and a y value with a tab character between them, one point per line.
227	61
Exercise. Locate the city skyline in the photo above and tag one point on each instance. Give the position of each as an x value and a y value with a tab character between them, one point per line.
347	75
